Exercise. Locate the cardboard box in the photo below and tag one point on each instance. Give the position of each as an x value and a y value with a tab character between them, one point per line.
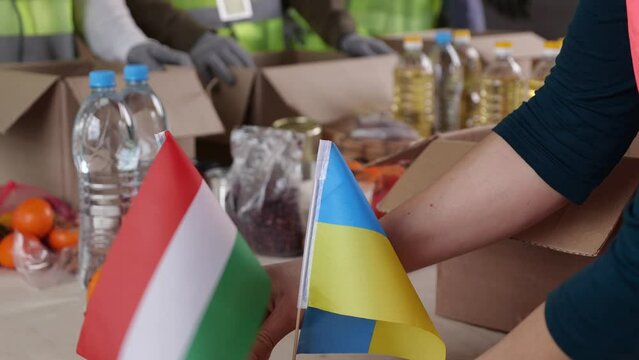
39	103
526	45
498	286
322	86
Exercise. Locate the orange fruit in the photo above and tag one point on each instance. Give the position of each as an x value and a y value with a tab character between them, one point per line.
33	216
93	283
6	252
60	238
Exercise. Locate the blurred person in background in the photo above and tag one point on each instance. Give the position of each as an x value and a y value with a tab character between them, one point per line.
383	17
126	44
36	30
217	38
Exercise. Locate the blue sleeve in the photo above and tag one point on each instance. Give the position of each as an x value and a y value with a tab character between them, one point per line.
595	315
581	122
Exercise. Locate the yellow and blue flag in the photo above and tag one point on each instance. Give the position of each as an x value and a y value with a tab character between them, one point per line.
355	292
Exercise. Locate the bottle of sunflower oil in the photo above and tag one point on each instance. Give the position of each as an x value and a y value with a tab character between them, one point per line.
543	66
413	93
471	62
503	86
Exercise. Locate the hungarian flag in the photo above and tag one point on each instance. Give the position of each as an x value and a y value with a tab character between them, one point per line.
179	282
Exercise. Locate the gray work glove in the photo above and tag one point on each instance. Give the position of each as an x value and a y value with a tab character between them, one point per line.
155	55
357	45
214	55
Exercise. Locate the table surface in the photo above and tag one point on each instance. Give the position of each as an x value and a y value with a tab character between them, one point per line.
44	325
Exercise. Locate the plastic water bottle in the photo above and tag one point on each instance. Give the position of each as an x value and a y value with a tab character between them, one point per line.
503	86
413	93
449	82
148	113
471	62
106	154
543	66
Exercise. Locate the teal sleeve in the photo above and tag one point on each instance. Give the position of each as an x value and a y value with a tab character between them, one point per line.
580	123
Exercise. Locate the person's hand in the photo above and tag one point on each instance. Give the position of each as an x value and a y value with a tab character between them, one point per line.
155	55
214	56
282	309
357	45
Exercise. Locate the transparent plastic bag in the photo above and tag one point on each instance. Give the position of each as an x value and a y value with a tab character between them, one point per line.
264	189
40	266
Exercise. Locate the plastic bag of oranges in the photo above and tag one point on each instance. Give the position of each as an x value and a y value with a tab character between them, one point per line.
38	235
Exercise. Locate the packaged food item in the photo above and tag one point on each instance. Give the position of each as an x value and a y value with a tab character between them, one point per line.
503	86
414	88
265	187
38	235
312	132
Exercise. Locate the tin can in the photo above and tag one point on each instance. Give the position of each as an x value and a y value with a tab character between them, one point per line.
312	132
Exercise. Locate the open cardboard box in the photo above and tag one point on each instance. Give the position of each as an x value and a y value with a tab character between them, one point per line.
323	86
527	46
498	286
39	102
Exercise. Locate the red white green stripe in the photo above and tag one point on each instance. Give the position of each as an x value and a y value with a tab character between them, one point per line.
179	282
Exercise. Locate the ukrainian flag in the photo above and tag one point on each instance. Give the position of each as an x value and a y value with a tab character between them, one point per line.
357	296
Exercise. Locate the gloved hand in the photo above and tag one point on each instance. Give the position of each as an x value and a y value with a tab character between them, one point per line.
357	45
214	55
155	55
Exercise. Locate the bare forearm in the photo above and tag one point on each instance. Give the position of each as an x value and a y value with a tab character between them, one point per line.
489	195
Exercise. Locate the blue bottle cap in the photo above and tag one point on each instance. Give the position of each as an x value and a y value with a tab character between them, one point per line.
443	37
136	72
102	79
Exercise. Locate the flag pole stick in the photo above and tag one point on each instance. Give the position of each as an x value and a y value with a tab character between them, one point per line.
297	333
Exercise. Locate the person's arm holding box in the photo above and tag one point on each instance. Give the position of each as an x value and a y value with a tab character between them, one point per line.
556	148
128	43
332	21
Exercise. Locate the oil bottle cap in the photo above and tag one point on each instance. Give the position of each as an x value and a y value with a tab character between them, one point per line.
413	42
503	44
552	44
461	34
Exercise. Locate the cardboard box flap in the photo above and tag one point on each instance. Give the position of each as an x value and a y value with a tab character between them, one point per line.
18	91
526	44
438	157
232	102
581	230
363	86
189	110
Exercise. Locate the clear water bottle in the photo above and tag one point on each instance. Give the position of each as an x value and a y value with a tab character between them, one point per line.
471	62
543	66
106	155
413	88
503	86
148	113
449	82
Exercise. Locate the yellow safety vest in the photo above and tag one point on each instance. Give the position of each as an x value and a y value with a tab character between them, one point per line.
36	30
262	33
385	17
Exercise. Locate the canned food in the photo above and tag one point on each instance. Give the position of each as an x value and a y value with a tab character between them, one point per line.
312	132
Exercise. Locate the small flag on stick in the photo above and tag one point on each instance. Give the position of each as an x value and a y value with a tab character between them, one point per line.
179	282
355	292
